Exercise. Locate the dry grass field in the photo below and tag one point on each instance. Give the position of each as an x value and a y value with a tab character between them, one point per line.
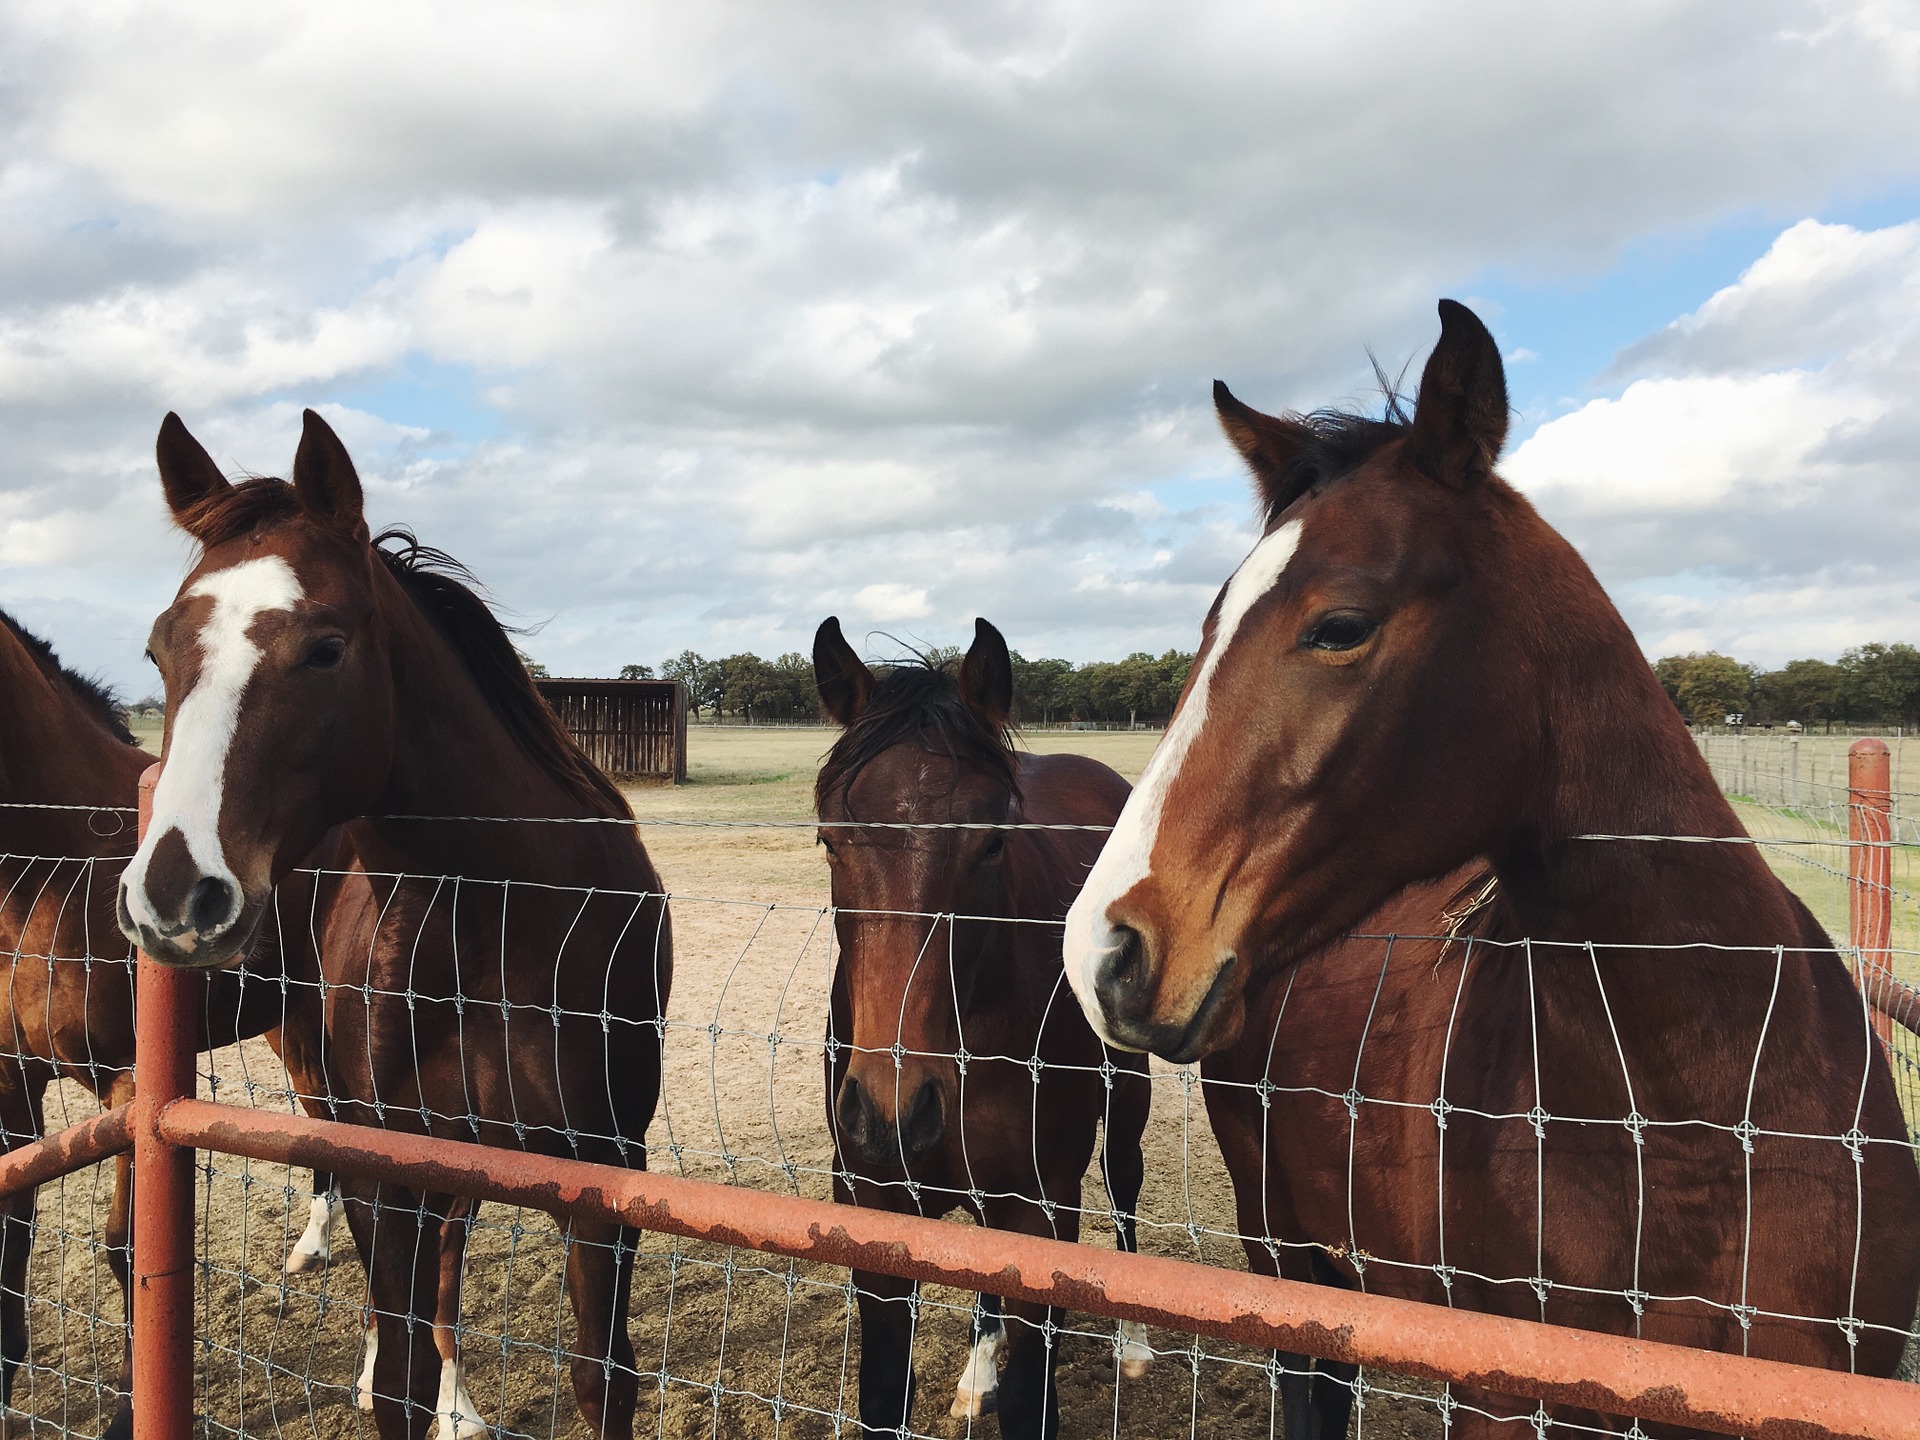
729	1343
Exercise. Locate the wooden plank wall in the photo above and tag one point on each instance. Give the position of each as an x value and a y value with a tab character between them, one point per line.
628	727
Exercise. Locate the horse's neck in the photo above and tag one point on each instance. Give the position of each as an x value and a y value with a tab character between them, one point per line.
452	757
1616	759
54	752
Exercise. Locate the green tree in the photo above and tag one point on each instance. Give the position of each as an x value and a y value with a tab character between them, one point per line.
1706	688
636	672
534	667
1803	690
1881	683
700	676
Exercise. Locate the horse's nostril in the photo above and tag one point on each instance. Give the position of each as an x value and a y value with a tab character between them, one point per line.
924	1122
1123	962
210	904
853	1112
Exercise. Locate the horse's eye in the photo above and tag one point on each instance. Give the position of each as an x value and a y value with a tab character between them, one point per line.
826	843
325	654
995	847
151	661
1342	630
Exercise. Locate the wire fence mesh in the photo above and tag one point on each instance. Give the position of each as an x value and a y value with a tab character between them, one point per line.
739	1343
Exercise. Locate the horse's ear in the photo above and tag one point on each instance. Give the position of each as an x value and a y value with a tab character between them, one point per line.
1269	445
986	675
187	473
1460	419
324	477
841	677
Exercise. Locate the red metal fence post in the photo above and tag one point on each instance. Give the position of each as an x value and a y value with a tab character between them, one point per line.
164	1025
1870	872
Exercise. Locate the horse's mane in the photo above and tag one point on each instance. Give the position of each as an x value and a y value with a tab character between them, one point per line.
917	700
1341	441
442	587
96	698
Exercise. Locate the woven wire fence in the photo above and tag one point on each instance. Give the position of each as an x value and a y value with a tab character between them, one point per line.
735	1342
60	1301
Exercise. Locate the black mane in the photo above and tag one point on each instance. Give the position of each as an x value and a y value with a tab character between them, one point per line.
442	587
96	698
918	701
1341	441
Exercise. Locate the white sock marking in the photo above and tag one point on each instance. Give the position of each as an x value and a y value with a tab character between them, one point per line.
1127	856
314	1249
457	1417
1136	1354
188	796
980	1379
363	1387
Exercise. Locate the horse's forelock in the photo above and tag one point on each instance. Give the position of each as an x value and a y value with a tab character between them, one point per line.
917	702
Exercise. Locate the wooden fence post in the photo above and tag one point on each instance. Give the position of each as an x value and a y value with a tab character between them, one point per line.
165	1020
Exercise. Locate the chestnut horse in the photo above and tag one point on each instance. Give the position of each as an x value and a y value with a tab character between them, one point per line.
940	959
1635	1092
68	973
317	677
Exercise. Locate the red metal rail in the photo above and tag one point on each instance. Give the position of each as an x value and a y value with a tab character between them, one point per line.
1615	1374
1870	877
65	1151
1611	1373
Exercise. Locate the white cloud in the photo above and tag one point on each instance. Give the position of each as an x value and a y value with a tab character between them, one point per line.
1755	490
740	315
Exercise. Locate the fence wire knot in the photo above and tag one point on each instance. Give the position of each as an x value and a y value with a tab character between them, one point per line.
1351	1099
1856	1143
1636	1301
1744	1314
1441	1108
1747	1131
1538	1117
1636	1124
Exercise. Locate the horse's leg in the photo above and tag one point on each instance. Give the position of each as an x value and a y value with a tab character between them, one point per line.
1029	1399
457	1417
20	1098
1123	1166
119	1243
886	1351
976	1393
1330	1402
399	1242
314	1249
606	1375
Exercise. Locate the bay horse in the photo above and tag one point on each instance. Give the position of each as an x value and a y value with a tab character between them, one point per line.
69	782
946	989
1629	1085
318	676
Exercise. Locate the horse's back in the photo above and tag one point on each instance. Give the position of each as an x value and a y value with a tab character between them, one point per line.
1070	790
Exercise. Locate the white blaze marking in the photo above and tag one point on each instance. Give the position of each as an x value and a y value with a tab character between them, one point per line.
314	1249
191	786
981	1377
1127	857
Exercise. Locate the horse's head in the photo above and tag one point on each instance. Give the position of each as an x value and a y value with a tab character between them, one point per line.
1353	721
279	697
919	746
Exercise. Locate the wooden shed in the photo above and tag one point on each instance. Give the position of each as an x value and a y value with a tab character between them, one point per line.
631	728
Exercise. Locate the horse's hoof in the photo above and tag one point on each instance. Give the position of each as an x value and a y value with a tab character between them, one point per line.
1135	1369
1136	1355
301	1261
972	1404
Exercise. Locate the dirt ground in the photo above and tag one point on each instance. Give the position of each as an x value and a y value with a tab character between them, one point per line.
729	1343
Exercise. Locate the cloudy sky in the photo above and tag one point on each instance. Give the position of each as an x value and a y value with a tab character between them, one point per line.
688	325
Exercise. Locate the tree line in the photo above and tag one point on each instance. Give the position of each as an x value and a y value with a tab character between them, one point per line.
1140	689
1877	684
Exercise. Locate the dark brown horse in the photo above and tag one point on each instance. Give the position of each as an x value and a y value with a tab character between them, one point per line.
947	988
68	981
316	678
1635	1091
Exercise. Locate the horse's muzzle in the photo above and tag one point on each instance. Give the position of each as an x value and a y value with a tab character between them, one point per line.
901	1140
1126	985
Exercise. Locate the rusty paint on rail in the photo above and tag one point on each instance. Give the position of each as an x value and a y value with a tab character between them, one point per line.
1609	1373
65	1151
